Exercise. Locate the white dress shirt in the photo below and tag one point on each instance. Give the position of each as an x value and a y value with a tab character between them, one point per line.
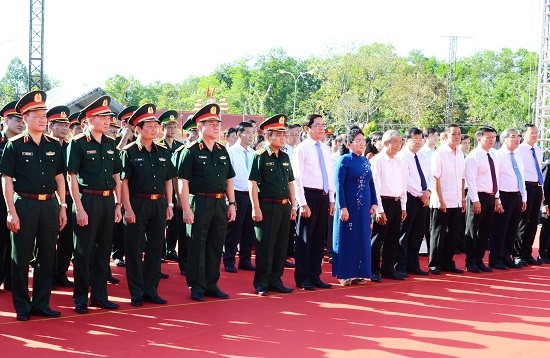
448	167
413	176
307	173
507	179
478	172
390	178
428	152
530	170
238	161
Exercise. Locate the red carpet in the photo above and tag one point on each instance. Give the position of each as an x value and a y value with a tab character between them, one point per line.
500	314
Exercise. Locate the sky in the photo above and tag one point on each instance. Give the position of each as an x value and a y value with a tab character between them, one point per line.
86	42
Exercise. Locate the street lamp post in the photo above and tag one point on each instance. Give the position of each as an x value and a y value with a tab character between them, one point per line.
296	78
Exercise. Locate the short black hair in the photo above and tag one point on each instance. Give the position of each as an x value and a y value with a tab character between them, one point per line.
430	130
485	129
242	126
526	127
413	131
229	131
251	121
450	127
310	119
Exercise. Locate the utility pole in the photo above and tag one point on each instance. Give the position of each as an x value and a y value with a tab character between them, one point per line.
449	106
542	104
36	45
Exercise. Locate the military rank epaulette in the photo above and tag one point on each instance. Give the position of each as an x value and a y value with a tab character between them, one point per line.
51	137
78	136
111	138
179	149
260	151
191	144
16	137
162	145
128	145
220	145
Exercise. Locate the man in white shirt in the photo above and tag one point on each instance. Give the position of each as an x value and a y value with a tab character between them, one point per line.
314	181
240	231
483	198
513	198
447	202
431	137
527	229
419	183
390	182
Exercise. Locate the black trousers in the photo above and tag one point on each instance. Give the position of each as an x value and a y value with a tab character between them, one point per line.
65	245
310	243
501	243
446	230
172	235
411	235
206	237
183	239
240	232
527	229
544	248
5	246
143	271
388	236
478	229
93	248
271	244
39	228
118	241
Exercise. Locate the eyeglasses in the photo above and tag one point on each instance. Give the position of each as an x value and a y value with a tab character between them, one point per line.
317	125
359	141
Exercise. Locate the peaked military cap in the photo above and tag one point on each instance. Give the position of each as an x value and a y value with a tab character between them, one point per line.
74	118
126	113
9	110
189	124
99	107
168	117
32	101
145	113
59	114
275	123
207	113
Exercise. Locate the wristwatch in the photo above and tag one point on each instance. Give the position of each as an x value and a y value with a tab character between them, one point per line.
64	205
232	203
171	205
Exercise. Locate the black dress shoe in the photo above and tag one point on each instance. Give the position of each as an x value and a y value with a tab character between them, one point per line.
418	271
435	271
197	296
403	273
520	261
306	286
62	281
473	268
531	261
156	299
81	308
217	294
172	256
498	266
23	316
376	277
108	305
231	268
281	289
45	313
183	272
136	301
261	291
453	269
393	276
543	259
120	263
511	264
113	280
484	268
289	264
164	275
246	266
321	284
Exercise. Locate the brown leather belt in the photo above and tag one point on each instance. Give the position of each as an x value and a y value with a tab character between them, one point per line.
276	201
211	195
40	197
484	193
321	191
393	198
150	196
535	183
97	192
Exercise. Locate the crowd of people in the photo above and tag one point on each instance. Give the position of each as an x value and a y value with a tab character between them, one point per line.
79	187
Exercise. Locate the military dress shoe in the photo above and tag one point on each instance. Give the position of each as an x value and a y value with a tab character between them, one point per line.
498	266
306	286
231	268
376	277
321	284
197	296
81	308
403	273
435	270
418	271
156	299
511	264
172	256
531	261
281	289
484	268
108	305
113	280
136	301
520	261
543	259
261	291
453	269
183	272
473	268
120	263
217	294
45	313
246	266
62	281
22	316
289	264
164	275
393	276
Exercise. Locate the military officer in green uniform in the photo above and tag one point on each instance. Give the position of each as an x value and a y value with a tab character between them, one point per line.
147	196
126	134
271	188
169	122
93	167
204	185
58	118
13	125
75	126
32	170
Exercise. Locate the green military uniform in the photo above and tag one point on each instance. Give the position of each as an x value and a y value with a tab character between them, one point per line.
147	174
94	164
33	169
183	237
273	173
207	173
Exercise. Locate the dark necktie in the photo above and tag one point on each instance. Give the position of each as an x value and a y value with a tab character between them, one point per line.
539	173
493	173
421	173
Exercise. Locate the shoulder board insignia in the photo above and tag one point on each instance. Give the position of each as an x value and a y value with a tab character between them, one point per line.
16	137
158	140
261	151
179	149
220	146
162	145
51	137
191	144
128	145
78	136
111	138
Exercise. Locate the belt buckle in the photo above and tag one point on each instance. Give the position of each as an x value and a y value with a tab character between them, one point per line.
42	197
154	196
284	201
218	196
106	193
397	198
